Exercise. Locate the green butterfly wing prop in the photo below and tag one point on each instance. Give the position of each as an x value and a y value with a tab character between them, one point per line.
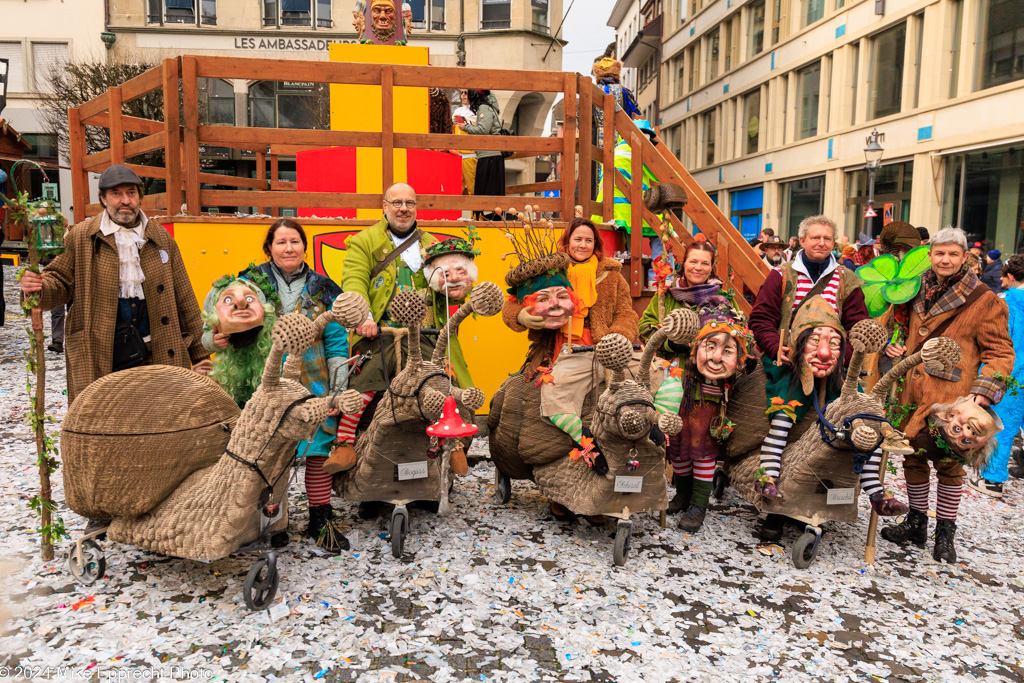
888	281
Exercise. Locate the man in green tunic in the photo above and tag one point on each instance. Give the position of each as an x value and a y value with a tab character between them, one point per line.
380	261
451	273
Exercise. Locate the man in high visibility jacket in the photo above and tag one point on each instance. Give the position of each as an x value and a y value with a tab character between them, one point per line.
622	214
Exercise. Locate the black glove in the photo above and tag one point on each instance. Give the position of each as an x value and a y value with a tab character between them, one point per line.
657	436
600	466
750	365
679	349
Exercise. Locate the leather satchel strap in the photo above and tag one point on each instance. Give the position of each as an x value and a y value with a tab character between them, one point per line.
396	252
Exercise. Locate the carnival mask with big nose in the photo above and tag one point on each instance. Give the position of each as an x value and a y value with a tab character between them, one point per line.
555	305
238	309
717	356
966	425
821	351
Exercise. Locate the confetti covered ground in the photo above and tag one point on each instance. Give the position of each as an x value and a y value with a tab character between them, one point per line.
506	593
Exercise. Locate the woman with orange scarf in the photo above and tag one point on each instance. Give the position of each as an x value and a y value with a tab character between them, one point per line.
565	359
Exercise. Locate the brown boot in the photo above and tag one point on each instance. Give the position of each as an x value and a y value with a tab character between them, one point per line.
343	457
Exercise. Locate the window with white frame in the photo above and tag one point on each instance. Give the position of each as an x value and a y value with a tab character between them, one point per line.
14	53
45	58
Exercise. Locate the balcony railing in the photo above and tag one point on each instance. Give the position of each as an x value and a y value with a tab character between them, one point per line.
489	24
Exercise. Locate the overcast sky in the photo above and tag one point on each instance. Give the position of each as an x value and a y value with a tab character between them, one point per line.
587	31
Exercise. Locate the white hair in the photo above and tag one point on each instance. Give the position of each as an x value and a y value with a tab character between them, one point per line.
434	270
950	235
820	219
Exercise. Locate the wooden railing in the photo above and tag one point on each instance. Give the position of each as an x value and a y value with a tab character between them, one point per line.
180	135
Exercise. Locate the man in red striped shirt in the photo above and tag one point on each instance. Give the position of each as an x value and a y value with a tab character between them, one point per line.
813	271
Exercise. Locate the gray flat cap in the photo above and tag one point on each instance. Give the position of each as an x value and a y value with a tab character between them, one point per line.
119	175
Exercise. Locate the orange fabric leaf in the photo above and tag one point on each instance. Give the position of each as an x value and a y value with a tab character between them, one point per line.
777	401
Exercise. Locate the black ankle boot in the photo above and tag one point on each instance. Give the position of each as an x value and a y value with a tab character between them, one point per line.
913	529
944	550
322	529
684	490
772	528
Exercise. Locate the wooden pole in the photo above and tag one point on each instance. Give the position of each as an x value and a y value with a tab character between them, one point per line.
79	176
172	130
586	90
39	402
569	148
387	97
190	93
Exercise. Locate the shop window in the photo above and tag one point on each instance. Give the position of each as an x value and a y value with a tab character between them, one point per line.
893	183
496	14
745	210
984	195
751	121
755	29
1000	43
217	101
800	199
284	105
887	56
813	11
807	98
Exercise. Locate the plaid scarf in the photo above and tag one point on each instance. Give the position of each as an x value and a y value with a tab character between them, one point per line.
952	292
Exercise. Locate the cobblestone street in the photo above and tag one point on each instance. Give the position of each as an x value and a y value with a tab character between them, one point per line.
506	593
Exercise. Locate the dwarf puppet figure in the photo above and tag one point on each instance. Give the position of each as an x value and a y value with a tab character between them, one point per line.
716	354
819	345
957	434
240	310
381	25
451	273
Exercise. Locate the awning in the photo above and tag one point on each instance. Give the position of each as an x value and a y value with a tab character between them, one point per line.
643	46
980	145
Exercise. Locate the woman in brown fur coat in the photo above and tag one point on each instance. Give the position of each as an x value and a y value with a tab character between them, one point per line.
564	358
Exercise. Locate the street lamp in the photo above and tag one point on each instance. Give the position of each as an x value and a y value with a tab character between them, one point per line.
873	155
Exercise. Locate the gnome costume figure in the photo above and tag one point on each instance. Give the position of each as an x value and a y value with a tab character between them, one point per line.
818	347
450	273
239	309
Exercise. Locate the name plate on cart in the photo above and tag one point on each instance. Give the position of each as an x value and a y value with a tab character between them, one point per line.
629	484
412	470
841	496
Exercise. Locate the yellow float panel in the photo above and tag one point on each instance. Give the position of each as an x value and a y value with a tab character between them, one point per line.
493	352
359	108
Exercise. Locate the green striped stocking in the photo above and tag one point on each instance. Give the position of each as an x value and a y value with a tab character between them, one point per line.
571	424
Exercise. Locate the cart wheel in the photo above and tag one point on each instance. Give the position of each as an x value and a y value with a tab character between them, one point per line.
718	485
622	534
260	585
399	527
502	487
92	564
804	550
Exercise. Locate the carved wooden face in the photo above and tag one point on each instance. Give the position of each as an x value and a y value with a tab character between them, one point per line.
238	309
717	356
822	350
966	425
383	16
555	305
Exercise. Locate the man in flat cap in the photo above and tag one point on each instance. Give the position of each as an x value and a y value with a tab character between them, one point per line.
132	302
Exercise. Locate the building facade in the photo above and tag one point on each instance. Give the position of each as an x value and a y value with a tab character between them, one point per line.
769	104
505	34
35	37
